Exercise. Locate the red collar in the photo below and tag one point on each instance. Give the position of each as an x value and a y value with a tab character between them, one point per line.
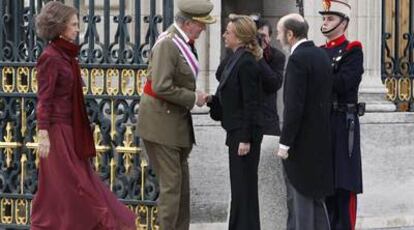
336	42
67	47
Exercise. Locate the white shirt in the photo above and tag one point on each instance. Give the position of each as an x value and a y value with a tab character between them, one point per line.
297	44
291	52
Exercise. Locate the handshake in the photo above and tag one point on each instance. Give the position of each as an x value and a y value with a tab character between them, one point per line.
202	98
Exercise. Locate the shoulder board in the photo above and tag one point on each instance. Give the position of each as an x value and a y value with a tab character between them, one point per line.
353	44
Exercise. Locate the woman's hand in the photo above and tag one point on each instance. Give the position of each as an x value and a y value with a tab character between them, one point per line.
244	148
44	143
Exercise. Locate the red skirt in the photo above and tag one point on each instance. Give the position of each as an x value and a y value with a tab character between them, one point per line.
70	195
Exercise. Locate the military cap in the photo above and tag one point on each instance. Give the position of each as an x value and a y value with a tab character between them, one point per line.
197	10
337	7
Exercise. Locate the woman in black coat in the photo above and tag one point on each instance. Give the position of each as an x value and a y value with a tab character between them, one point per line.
237	104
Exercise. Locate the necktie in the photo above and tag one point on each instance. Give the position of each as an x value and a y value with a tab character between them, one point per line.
193	49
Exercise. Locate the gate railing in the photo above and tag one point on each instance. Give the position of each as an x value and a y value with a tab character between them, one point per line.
113	64
397	69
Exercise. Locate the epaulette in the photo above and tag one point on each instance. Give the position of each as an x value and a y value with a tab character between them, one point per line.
353	44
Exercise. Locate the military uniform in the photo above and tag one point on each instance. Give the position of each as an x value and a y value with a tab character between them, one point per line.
347	58
164	115
164	120
347	61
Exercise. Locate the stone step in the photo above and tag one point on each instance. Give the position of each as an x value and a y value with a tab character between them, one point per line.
375	99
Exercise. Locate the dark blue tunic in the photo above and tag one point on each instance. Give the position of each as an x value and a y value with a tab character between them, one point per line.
348	58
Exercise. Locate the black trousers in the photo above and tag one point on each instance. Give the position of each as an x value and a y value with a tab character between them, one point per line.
244	207
342	207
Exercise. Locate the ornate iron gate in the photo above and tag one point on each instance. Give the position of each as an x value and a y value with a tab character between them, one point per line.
397	70
113	63
299	4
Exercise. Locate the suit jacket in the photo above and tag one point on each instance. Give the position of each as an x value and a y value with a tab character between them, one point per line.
272	77
166	119
240	95
306	123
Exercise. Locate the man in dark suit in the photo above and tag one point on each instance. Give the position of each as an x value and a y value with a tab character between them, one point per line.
305	140
272	65
347	58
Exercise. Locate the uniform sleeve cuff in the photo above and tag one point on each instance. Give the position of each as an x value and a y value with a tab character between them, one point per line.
282	146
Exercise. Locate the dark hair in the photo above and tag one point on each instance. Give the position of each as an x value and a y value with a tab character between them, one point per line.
260	23
53	19
299	28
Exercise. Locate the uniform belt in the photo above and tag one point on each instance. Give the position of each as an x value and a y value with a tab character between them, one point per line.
345	108
358	108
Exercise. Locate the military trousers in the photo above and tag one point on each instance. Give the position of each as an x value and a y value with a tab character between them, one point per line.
342	209
171	168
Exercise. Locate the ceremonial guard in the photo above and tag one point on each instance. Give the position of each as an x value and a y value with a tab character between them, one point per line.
347	62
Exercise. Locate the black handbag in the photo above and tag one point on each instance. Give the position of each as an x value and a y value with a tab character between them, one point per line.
216	112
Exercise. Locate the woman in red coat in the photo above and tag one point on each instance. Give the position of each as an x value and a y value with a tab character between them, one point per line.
70	195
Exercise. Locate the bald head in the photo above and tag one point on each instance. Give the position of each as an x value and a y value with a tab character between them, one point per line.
294	23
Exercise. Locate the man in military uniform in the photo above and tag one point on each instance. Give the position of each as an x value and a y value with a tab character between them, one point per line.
164	120
347	62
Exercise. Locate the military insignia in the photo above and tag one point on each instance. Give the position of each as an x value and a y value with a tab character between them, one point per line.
337	59
326	5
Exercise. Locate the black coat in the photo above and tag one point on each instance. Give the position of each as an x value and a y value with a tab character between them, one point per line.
347	77
272	78
238	99
306	121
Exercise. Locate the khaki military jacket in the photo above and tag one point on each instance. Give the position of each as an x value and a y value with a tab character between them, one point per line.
166	119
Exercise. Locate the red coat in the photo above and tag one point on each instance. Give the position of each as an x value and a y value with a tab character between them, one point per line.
70	194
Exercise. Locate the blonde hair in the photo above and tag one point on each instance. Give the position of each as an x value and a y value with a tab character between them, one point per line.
245	31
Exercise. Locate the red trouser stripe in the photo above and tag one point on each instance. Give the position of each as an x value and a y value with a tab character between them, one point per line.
352	209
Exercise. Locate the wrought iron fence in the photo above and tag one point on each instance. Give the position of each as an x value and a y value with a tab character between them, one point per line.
299	5
113	61
397	70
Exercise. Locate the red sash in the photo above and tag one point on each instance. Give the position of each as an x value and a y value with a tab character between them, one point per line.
148	89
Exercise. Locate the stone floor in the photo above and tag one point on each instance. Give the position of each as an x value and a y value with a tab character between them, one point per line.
388	172
222	226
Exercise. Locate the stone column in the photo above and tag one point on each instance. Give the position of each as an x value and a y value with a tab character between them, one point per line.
209	47
365	26
274	10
